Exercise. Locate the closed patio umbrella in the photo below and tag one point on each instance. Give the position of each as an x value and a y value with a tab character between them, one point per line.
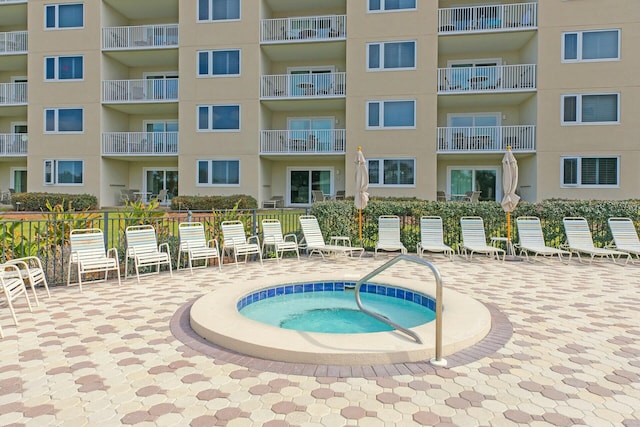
509	184
362	185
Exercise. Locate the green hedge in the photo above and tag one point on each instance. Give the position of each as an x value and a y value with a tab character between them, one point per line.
38	201
332	215
207	203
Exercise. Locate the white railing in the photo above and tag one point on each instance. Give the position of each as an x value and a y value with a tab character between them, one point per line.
499	17
140	143
303	85
12	1
303	28
140	37
13	42
13	93
486	139
302	141
145	90
504	78
13	144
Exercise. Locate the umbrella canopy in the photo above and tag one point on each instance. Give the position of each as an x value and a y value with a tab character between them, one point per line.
362	181
509	181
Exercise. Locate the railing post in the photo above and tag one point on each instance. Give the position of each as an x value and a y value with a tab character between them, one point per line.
105	219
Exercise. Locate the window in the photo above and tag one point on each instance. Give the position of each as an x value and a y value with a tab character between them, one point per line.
219	63
64	15
218	10
391	55
382	5
63	120
588	171
218	117
63	172
391	114
591	46
219	172
596	108
63	67
396	172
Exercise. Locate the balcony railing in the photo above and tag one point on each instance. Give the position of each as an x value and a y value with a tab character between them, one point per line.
486	139
140	143
499	17
504	78
13	93
147	90
303	85
302	141
12	1
13	144
304	28
140	37
13	42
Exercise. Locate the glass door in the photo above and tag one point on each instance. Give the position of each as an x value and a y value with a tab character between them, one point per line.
317	133
162	86
163	135
19	180
309	82
157	180
303	181
464	180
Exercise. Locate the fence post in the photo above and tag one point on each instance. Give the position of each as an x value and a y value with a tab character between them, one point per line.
106	229
255	223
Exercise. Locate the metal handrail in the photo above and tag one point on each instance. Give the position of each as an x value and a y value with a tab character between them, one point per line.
437	360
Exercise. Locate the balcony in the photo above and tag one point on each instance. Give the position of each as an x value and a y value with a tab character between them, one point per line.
13	94
12	1
13	144
302	142
137	91
140	37
303	29
486	139
140	143
13	43
487	18
295	86
504	78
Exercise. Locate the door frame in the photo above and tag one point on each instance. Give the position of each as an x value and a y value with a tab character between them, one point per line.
308	169
158	168
497	169
12	171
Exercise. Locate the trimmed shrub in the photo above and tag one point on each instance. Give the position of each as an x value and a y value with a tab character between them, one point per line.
38	201
207	203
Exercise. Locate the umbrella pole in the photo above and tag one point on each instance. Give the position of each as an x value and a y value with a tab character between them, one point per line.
360	226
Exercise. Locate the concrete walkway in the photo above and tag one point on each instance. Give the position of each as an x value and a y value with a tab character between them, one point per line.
108	356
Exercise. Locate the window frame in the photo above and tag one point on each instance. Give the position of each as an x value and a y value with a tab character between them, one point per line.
210	164
580	46
381	109
579	183
56	119
54	179
381	163
56	68
210	18
56	8
210	64
578	111
383	8
210	108
382	46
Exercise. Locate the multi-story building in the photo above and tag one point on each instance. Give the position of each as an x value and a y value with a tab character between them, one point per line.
273	97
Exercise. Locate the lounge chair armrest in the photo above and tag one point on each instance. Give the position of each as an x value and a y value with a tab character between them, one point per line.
215	244
30	259
164	246
295	238
114	252
10	267
256	238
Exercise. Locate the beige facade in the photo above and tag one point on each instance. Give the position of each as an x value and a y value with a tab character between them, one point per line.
273	97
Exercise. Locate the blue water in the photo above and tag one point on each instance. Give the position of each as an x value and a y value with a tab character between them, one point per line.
336	312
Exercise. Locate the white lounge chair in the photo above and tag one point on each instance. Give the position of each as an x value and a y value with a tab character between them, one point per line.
432	237
625	236
474	239
143	249
12	286
195	246
580	241
235	240
272	236
532	239
32	273
389	235
315	242
89	255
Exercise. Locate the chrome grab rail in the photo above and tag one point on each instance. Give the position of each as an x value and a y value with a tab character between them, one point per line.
437	360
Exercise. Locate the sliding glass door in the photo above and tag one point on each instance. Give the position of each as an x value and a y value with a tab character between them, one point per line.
465	179
303	181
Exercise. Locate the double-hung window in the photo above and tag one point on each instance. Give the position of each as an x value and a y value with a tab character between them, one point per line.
384	5
218	10
590	171
68	15
392	172
391	55
219	62
218	172
218	117
591	108
63	172
63	67
391	114
63	120
601	45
